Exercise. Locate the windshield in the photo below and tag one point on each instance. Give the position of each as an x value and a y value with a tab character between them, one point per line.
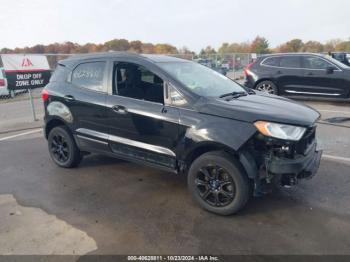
200	79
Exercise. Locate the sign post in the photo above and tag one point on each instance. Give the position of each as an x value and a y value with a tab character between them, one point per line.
26	72
32	104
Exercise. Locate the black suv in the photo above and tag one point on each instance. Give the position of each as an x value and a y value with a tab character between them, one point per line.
342	57
182	117
299	74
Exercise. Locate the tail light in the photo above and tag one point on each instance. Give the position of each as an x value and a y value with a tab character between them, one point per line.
2	82
45	95
247	68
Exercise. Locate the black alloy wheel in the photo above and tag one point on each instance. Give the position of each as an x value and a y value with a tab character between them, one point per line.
63	149
218	183
215	186
59	148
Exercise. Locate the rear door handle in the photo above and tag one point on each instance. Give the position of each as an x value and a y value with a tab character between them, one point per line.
119	109
310	74
69	98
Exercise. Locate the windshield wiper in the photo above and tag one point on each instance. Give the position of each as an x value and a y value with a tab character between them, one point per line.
251	92
234	95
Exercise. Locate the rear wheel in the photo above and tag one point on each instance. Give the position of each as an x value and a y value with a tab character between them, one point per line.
218	183
63	149
267	87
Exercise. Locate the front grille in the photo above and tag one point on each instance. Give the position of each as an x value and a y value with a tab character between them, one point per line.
307	140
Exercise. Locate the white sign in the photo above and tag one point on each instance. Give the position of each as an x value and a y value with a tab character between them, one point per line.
26	71
34	63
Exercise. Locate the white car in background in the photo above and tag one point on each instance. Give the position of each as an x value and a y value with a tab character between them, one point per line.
4	91
3	85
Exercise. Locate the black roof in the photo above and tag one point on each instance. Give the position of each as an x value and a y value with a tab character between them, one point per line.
163	58
153	58
300	53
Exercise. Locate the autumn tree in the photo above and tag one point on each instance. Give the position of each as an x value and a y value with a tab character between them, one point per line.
313	47
147	48
207	51
260	45
226	48
135	46
185	50
117	45
6	50
295	45
343	46
165	49
330	45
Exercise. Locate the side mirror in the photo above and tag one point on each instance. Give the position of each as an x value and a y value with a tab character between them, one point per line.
330	70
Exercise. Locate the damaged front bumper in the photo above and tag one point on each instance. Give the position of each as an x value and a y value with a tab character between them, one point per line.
274	169
302	166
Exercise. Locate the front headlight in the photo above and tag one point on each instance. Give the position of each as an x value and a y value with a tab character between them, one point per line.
280	131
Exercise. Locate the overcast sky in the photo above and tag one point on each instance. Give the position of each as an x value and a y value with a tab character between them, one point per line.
191	23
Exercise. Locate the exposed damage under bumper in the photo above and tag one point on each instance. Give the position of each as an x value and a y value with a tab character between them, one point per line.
290	170
269	162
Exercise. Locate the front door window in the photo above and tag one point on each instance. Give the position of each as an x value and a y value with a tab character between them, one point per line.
135	81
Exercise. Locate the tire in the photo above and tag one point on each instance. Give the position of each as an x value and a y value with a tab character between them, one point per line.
62	147
267	87
228	192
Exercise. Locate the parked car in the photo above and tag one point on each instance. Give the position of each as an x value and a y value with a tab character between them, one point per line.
299	74
211	64
342	57
182	117
227	64
3	85
4	91
206	62
230	64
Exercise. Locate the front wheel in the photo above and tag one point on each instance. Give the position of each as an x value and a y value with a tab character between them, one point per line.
218	183
63	149
267	87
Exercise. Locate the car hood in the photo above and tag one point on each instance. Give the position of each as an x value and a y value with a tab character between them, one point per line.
260	106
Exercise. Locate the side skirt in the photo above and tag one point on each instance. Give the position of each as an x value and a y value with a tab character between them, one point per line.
125	152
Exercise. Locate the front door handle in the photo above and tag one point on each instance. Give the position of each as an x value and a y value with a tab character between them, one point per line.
69	98
310	74
119	109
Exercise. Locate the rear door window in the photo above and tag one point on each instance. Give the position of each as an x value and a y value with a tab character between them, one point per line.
290	62
90	75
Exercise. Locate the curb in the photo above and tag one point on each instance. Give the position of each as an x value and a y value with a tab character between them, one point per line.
21	129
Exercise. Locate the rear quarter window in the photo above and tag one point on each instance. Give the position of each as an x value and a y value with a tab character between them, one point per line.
89	75
60	74
271	61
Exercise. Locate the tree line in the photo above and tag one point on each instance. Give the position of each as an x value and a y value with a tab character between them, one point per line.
259	45
113	45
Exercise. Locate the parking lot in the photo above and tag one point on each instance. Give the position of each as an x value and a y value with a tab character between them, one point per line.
108	206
